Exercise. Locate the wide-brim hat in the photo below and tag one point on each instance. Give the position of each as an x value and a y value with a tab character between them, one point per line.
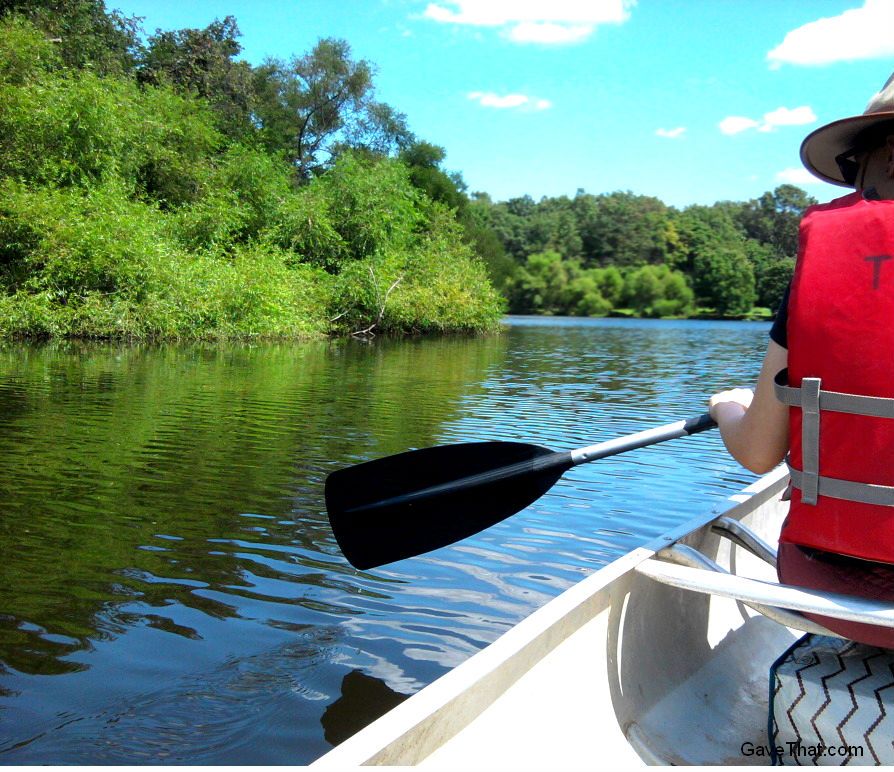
822	147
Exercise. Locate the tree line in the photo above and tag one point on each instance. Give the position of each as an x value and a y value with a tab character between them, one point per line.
594	254
158	186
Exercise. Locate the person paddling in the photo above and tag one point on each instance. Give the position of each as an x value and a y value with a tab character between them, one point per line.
824	399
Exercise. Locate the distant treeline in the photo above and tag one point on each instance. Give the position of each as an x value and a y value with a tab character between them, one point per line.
159	187
592	254
165	189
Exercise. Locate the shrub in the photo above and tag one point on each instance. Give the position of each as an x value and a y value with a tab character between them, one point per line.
658	291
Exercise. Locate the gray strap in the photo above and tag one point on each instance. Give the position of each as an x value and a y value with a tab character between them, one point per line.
864	493
810	429
840	402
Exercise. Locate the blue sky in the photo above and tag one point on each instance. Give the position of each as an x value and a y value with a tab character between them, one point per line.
692	101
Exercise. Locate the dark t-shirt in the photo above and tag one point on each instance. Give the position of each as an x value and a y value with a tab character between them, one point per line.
778	332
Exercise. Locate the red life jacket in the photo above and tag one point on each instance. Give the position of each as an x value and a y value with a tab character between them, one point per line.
841	340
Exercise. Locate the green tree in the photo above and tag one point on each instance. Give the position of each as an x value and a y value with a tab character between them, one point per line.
84	32
553	226
677	296
203	62
509	220
727	280
478	226
125	213
583	296
712	251
85	129
541	285
656	290
771	281
623	229
773	218
314	106
25	53
610	282
424	162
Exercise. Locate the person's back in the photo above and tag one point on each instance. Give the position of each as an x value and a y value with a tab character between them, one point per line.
825	396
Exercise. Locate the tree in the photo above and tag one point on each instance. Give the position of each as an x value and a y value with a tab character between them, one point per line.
610	282
726	279
773	219
622	229
656	290
316	105
541	285
424	161
712	252
583	296
202	62
771	281
642	288
509	221
84	32
553	225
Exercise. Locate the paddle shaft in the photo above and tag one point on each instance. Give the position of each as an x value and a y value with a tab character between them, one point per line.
559	461
642	439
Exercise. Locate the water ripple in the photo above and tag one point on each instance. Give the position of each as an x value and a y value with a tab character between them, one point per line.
165	547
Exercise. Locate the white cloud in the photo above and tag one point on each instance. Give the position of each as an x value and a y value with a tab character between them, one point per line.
860	33
781	116
736	124
797	175
549	33
671	133
509	101
533	21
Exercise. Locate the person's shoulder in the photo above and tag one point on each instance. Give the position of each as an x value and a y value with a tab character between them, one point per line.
836	203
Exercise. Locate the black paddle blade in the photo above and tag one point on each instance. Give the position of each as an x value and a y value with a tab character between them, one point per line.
400	506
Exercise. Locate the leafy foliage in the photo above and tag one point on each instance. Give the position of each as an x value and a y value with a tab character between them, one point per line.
719	260
314	106
126	212
202	62
83	32
202	165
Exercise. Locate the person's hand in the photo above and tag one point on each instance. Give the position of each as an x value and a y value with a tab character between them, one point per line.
733	402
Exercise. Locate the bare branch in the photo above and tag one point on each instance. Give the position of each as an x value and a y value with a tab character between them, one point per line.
369	330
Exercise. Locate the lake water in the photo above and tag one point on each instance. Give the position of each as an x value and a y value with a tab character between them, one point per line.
170	591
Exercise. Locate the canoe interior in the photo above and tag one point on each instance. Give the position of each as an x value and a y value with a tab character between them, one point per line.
618	669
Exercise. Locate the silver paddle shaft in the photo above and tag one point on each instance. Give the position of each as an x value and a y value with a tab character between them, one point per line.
642	439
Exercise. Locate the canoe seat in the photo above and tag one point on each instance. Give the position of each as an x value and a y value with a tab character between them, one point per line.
682	566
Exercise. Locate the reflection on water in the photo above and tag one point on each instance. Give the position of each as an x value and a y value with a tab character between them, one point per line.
363	699
170	591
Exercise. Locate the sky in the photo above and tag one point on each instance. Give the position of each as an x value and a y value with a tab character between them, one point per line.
691	101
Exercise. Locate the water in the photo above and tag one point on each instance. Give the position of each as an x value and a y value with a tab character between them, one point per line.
170	591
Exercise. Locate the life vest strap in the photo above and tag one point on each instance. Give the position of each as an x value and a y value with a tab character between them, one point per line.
812	399
864	493
810	430
837	401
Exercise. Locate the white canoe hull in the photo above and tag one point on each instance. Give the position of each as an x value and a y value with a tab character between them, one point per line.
618	670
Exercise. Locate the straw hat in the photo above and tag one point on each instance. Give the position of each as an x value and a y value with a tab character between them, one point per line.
821	148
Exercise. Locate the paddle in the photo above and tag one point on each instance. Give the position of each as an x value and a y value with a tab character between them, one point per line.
400	506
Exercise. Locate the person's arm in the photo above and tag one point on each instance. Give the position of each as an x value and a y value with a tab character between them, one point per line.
754	425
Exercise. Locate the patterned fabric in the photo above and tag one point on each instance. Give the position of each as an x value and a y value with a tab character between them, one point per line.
832	703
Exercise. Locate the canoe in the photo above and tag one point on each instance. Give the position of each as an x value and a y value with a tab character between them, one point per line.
660	657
